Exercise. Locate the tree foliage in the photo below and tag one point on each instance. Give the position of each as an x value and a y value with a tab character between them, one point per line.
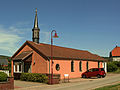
112	66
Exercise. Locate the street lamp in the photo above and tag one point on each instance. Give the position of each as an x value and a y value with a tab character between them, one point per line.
55	36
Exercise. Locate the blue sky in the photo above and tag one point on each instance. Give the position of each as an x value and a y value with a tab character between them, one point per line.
92	25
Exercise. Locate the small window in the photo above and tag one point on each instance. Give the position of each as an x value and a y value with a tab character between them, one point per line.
95	69
18	67
72	66
57	67
98	64
87	65
80	66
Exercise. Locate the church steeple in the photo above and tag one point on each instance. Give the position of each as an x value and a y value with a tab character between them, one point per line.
36	20
36	29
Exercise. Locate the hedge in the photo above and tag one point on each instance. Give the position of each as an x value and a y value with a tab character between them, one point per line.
3	76
111	66
34	77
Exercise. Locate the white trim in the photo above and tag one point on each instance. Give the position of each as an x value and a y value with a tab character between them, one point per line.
18	68
105	66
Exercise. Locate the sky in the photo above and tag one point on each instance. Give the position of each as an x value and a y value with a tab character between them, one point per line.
92	25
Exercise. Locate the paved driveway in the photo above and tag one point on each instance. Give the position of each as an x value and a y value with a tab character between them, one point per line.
75	84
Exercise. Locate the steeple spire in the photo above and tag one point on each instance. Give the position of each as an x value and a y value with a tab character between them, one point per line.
36	29
36	20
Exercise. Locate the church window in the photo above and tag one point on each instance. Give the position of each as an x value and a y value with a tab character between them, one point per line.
87	66
98	64
80	66
72	66
17	67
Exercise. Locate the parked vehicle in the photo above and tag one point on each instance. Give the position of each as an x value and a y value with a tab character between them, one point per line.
94	72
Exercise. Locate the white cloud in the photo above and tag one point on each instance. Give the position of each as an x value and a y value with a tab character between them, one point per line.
13	36
8	40
45	37
20	27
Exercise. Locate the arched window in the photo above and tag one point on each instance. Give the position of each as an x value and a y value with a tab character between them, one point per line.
98	64
87	66
80	66
72	66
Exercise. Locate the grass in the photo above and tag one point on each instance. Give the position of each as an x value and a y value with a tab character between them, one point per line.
110	87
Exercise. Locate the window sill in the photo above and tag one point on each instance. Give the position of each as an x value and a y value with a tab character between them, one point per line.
17	72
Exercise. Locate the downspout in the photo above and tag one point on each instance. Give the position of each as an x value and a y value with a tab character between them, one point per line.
49	69
49	65
12	68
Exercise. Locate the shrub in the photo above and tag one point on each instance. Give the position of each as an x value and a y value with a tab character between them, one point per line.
3	76
118	70
117	63
34	77
111	67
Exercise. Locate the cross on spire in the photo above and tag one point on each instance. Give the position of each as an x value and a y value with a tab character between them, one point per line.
36	11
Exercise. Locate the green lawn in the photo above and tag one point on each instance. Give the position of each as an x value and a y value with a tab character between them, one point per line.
110	87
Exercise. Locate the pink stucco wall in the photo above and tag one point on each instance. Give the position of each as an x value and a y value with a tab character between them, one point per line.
65	67
40	65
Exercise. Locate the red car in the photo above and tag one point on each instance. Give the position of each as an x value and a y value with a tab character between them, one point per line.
94	72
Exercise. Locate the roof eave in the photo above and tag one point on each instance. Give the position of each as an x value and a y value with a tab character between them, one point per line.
63	58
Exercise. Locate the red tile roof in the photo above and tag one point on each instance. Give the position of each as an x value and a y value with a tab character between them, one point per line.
115	51
62	52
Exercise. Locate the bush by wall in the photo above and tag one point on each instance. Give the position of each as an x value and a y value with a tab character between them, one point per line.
3	76
34	77
112	66
117	63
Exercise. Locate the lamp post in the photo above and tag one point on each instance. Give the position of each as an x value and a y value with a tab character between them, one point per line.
55	36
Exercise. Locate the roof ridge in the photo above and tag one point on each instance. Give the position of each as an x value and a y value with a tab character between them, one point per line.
59	46
64	52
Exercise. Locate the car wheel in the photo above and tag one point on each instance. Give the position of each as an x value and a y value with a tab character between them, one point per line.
98	76
103	76
83	76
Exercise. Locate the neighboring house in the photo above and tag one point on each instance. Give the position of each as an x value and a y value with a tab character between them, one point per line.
115	54
34	57
4	62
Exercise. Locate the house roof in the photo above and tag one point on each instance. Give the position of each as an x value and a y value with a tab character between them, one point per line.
3	62
115	51
62	52
23	55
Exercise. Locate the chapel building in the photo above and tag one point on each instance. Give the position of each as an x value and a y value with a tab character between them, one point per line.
35	57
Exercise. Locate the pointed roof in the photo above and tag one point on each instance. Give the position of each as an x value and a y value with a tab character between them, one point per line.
62	53
23	55
115	51
36	21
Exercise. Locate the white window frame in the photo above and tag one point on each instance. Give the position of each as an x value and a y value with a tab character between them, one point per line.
17	67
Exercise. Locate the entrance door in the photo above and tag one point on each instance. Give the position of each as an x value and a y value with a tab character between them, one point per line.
27	67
